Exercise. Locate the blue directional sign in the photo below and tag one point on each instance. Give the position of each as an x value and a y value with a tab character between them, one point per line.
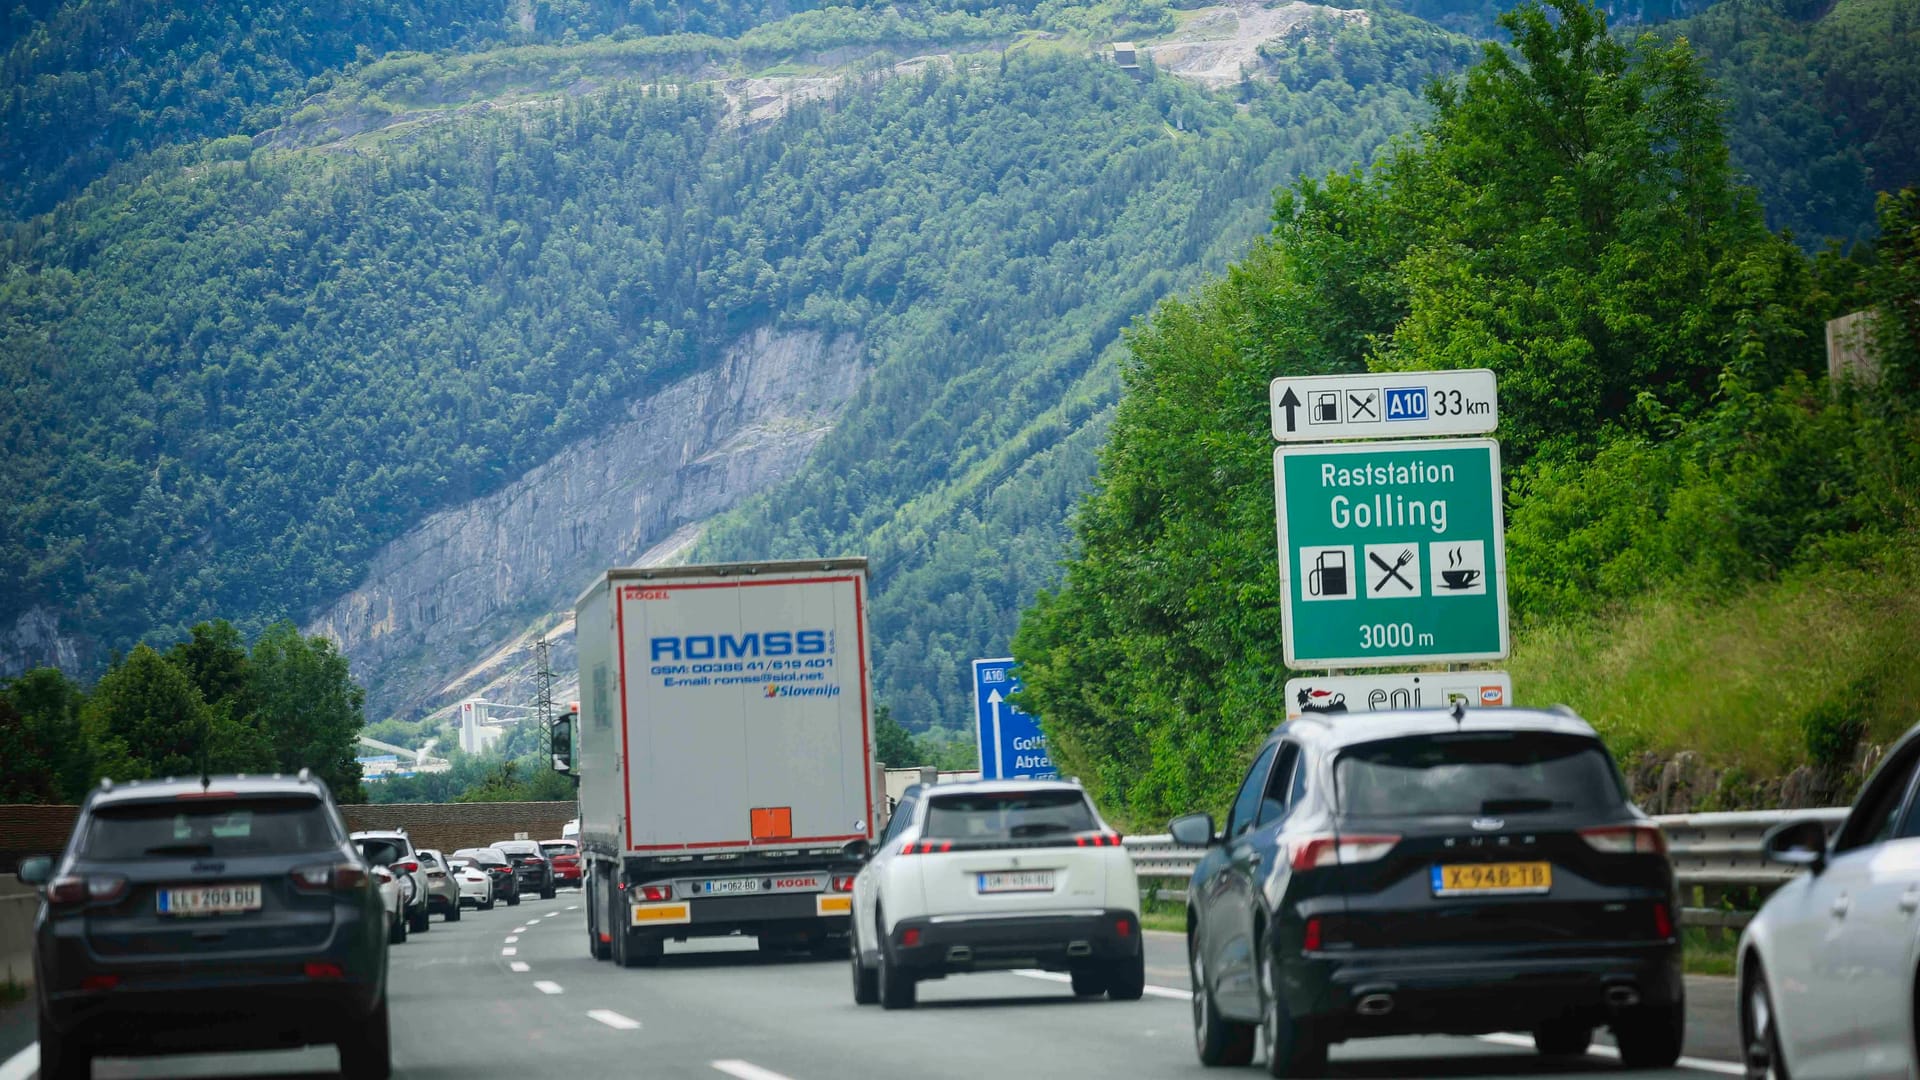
1011	743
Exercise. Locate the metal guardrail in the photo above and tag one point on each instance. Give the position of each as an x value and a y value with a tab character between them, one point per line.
1716	857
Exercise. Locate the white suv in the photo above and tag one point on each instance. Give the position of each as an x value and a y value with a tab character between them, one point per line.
996	874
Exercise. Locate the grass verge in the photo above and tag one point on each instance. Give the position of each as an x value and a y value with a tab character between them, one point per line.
12	993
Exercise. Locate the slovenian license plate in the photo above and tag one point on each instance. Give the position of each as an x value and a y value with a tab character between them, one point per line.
730	886
1001	881
209	899
1492	879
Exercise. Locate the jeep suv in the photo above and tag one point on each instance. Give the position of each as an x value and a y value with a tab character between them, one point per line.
228	913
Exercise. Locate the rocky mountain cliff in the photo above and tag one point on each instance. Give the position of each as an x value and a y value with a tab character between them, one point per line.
468	582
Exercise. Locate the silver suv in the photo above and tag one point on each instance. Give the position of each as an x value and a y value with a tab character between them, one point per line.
393	849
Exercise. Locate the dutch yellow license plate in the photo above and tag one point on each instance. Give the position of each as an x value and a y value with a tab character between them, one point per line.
1492	879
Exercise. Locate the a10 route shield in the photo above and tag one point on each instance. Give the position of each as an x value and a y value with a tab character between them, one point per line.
1391	553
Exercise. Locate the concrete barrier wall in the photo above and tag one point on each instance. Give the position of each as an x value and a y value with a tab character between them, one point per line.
16	937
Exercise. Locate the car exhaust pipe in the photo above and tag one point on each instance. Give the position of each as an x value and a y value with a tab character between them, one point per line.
1374	1004
1622	997
959	954
1079	948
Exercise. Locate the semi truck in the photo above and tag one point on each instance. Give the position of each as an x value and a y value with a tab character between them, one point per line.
724	751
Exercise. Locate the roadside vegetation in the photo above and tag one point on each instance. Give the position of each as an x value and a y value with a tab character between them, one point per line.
207	704
1673	451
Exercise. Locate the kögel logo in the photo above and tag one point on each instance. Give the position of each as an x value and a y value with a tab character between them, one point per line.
796	883
744	646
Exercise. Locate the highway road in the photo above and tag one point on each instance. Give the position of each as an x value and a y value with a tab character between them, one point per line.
513	992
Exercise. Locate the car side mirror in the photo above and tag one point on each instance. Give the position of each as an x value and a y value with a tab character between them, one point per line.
1193	830
562	746
1797	843
35	870
858	849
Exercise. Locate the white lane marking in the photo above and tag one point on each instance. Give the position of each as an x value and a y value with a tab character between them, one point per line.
23	1064
518	966
574	907
745	1070
613	1019
511	938
509	951
519	929
1525	1042
546	987
1168	992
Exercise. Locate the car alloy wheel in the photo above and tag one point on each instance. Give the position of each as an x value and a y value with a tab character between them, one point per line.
1217	1041
1757	1025
1292	1048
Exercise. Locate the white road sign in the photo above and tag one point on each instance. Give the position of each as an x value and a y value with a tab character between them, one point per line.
1391	405
1325	694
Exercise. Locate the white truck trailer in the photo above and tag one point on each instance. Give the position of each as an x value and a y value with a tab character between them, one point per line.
724	748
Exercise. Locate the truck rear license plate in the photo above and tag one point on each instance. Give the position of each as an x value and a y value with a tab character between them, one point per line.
209	899
730	886
1003	881
1492	879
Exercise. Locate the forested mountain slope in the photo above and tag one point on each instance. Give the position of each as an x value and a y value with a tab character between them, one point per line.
241	373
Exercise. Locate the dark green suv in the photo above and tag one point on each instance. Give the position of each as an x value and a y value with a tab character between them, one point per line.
229	913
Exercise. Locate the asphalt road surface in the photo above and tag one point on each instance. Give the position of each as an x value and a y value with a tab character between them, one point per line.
513	992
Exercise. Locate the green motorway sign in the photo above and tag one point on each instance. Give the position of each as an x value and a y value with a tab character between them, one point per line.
1391	553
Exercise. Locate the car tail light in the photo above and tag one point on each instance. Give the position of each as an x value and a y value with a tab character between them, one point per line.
323	969
657	892
408	867
320	877
910	937
1123	928
927	847
1105	839
534	860
843	883
1642	839
1328	849
1662	921
1310	941
99	982
86	889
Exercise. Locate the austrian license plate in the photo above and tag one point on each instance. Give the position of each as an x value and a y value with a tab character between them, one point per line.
730	886
209	899
1003	881
1492	879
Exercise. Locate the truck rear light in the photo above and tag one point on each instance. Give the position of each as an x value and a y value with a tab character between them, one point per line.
321	877
910	937
1310	941
656	892
1105	839
927	847
1641	839
1123	928
843	883
1328	849
322	969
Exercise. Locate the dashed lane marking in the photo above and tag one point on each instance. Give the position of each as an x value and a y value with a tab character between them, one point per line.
613	1019
546	987
509	951
519	929
23	1064
745	1070
511	938
518	966
573	907
1168	992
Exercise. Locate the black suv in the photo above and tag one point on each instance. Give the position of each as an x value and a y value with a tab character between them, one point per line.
202	915
1447	872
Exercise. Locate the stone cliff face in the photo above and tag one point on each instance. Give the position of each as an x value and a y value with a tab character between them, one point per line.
445	606
34	640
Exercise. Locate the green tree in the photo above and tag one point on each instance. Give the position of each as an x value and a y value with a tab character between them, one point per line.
145	719
891	743
308	707
49	704
26	769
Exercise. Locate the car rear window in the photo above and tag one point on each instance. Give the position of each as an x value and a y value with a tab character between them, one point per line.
381	852
559	849
1476	772
484	858
217	827
1007	815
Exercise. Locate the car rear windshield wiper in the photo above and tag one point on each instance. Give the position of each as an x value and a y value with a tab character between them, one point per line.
1515	806
181	849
